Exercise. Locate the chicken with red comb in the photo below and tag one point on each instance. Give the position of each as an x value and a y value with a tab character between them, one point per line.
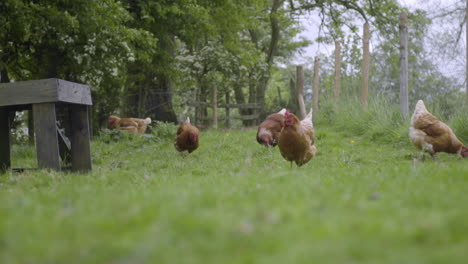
296	141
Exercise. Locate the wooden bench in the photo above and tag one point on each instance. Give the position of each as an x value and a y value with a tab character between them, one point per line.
43	97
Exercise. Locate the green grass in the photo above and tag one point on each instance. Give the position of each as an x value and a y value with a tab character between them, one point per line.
233	201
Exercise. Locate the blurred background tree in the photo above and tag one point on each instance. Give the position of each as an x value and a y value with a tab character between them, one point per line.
155	58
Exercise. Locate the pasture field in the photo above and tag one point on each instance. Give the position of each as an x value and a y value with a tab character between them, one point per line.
234	201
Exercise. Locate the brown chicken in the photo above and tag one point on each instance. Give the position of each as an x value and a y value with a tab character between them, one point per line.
296	141
134	125
269	130
431	135
187	137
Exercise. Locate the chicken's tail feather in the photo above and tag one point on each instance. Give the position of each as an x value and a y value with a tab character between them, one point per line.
282	112
188	120
307	121
420	106
309	115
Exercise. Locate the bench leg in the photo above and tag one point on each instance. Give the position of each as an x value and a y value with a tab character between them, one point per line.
80	146
5	159
46	136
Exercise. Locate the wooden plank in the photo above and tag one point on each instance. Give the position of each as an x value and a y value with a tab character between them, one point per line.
75	93
44	91
246	117
46	136
19	108
240	106
5	159
80	146
199	104
28	92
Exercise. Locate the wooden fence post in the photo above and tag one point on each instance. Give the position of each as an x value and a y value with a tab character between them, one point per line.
214	102
293	92
300	90
466	54
80	150
337	70
5	160
47	148
365	66
228	112
315	95
30	127
197	108
404	64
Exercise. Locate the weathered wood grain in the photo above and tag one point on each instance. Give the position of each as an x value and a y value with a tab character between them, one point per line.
70	92
28	92
5	160
44	91
46	136
80	146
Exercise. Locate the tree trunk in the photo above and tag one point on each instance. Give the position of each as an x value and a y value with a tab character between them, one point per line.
315	94
280	100
466	54
404	64
214	103
30	127
252	99
337	89
159	95
293	95
141	102
159	103
300	91
365	66
228	112
5	78
240	99
271	53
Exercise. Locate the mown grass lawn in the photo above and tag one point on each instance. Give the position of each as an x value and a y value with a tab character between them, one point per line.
233	201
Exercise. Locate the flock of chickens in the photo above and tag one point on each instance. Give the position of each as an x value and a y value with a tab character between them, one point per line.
295	138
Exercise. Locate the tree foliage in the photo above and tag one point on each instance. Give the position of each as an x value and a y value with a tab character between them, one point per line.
155	58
